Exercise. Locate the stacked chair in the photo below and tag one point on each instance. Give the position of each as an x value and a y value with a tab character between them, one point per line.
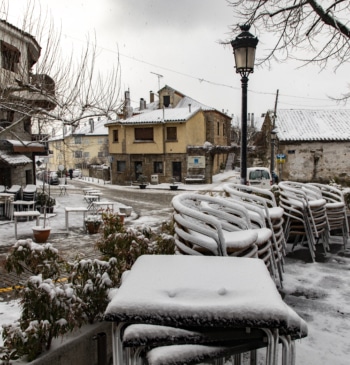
29	192
15	190
261	203
206	225
305	215
154	344
335	208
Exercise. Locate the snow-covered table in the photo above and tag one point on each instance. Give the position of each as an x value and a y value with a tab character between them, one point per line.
201	291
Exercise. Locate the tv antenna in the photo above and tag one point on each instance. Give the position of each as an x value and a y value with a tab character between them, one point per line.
159	77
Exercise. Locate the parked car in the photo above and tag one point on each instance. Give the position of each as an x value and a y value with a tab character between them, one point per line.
259	177
50	177
77	173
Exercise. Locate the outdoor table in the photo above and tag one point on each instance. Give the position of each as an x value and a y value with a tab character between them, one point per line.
22	205
201	292
90	200
63	189
107	204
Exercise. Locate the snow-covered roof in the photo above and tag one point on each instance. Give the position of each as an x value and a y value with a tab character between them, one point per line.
166	115
313	125
84	128
186	100
14	159
95	127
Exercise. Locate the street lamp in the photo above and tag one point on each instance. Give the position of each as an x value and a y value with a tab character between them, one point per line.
244	51
273	141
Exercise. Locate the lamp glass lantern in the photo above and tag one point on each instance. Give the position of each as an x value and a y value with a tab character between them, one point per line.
244	46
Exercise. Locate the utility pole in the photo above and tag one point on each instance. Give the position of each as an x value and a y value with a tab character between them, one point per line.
273	137
159	77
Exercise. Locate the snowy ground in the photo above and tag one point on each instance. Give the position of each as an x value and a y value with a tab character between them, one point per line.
319	292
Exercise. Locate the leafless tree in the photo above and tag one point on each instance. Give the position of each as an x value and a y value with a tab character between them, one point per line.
70	82
307	30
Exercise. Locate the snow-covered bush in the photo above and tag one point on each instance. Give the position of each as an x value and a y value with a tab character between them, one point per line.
28	256
127	243
91	280
48	310
51	307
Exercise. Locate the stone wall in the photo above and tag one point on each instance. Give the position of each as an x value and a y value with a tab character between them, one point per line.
315	161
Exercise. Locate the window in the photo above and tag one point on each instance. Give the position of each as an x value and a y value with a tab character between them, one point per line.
158	167
144	134
9	57
101	154
121	166
6	117
218	126
171	134
100	140
78	154
77	140
166	100
86	154
27	125
115	136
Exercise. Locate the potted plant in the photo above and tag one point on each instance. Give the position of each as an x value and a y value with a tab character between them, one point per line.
93	223
44	202
142	179
42	233
173	185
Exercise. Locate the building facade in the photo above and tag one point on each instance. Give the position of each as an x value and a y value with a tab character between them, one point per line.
311	145
79	147
19	51
169	139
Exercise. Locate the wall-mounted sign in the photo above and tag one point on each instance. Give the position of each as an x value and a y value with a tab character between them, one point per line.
194	162
281	158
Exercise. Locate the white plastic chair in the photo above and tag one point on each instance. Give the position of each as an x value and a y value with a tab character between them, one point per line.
305	213
335	209
200	233
263	203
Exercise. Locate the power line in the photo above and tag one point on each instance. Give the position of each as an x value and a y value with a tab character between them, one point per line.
201	79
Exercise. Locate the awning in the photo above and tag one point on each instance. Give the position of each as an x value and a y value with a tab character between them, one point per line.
14	159
22	146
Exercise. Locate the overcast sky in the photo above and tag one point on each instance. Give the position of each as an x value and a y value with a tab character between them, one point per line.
179	40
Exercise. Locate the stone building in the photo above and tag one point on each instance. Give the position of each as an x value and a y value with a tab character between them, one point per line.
311	145
20	92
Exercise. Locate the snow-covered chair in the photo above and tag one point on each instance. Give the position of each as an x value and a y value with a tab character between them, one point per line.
335	208
305	212
29	192
15	190
199	232
263	202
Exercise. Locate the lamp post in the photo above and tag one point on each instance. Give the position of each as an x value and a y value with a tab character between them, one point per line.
272	165
244	46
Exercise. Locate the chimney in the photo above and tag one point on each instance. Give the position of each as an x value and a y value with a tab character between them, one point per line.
127	105
142	106
151	96
91	122
189	108
252	121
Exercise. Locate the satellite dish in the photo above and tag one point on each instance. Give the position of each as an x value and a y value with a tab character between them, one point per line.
61	167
